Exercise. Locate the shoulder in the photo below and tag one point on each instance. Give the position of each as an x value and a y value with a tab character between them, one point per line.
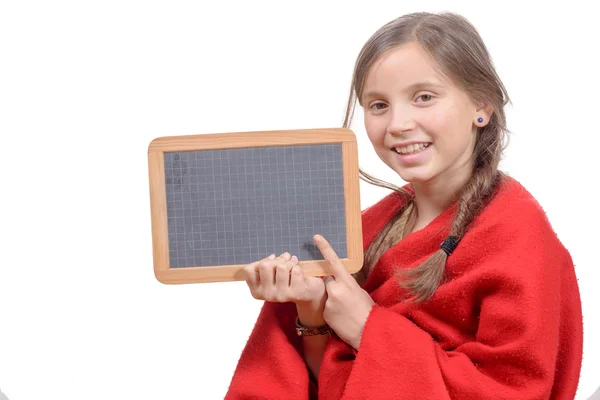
513	234
515	210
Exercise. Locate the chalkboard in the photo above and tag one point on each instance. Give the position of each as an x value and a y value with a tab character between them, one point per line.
222	201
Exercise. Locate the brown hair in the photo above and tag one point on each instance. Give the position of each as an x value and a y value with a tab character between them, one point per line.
459	52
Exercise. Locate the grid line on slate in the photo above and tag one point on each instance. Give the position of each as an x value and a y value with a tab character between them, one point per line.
236	206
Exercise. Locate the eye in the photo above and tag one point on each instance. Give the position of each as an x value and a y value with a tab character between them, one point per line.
377	104
427	97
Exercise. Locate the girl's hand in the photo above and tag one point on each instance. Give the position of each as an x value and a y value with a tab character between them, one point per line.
281	280
348	305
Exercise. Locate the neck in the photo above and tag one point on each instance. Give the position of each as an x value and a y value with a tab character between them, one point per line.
433	197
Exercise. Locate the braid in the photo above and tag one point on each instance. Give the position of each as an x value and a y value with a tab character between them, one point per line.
472	199
423	280
391	234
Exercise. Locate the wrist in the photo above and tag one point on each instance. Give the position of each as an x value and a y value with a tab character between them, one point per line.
304	330
310	315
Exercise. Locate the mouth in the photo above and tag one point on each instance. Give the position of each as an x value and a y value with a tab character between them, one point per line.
411	148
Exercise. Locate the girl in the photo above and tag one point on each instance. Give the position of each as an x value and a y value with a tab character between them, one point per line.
466	291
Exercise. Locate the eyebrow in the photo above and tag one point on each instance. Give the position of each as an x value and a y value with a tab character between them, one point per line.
414	86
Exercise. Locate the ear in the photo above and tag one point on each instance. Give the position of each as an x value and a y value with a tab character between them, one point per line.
483	111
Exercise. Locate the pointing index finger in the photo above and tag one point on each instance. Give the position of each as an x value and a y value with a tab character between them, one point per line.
335	264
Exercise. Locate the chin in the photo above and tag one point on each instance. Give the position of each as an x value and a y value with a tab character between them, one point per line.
412	177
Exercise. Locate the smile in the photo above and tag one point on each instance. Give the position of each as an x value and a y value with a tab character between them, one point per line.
412	148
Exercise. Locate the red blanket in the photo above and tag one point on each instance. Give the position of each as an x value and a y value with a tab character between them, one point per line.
507	323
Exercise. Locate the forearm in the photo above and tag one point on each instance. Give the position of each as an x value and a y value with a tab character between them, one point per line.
271	365
394	346
314	346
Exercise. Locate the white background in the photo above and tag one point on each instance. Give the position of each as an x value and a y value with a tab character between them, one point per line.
85	86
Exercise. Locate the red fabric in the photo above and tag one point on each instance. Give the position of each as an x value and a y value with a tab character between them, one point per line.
506	324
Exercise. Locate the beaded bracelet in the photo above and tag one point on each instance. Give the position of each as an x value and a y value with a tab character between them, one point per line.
320	330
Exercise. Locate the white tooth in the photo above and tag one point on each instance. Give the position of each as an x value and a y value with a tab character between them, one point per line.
413	148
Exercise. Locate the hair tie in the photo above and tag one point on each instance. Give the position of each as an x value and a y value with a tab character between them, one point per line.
449	244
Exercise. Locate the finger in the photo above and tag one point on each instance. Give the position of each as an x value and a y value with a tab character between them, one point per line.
272	261
328	280
251	271
336	266
282	257
255	263
251	275
267	273
282	276
297	277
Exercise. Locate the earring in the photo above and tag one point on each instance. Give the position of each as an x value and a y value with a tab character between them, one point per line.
480	120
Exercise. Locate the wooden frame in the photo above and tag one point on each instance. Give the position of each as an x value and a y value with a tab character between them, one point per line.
158	202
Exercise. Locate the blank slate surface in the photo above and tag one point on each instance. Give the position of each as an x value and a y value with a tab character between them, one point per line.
222	201
236	206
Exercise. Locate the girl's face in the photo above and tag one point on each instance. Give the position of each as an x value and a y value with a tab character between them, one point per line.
421	125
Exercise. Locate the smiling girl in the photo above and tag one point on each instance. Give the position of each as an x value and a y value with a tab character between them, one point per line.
466	292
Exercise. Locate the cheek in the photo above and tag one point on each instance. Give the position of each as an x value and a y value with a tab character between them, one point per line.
438	121
449	127
375	131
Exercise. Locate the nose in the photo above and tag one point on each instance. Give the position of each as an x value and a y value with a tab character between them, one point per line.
402	121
